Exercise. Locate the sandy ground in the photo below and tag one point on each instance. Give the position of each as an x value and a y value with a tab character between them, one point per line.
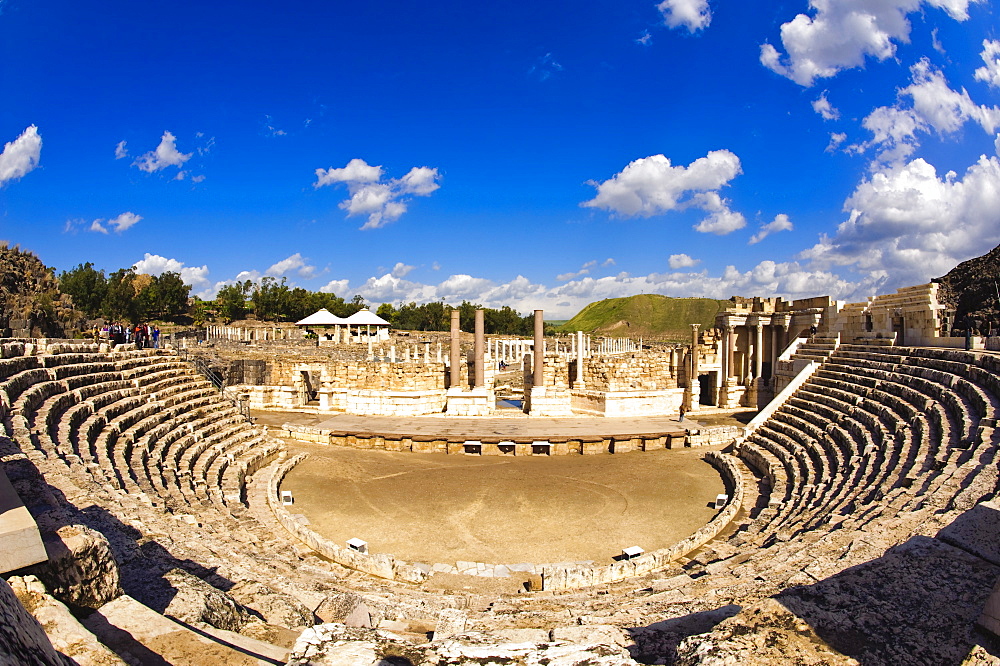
445	508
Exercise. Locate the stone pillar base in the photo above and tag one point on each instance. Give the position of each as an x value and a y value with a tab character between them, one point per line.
474	402
731	394
542	401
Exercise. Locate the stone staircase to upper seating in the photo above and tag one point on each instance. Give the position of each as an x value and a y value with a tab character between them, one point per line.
817	349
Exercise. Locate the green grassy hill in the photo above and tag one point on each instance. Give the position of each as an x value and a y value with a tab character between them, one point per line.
649	315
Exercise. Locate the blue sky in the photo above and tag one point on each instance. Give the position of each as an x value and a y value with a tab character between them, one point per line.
539	155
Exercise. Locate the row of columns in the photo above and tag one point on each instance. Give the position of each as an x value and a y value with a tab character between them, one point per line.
242	333
755	347
478	350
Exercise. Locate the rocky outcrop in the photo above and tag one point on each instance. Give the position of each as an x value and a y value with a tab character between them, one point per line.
338	645
766	634
81	569
65	632
273	607
22	638
30	302
971	287
197	601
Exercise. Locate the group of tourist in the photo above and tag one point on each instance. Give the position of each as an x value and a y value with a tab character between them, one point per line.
143	335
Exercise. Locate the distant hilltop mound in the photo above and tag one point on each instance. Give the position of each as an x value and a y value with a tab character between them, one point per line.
647	315
972	287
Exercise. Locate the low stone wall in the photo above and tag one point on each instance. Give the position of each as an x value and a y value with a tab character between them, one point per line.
714	435
548	576
575	576
381	565
626	403
495	446
367	402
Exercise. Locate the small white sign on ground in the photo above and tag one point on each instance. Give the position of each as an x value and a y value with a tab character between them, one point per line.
720	501
286	497
632	551
358	545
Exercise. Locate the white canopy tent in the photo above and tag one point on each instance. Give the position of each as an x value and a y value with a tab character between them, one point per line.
325	319
322	317
368	319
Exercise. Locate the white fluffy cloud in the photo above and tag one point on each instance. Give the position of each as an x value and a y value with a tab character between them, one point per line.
691	14
121	151
840	34
584	270
678	261
779	223
653	186
990	72
163	156
401	270
768	278
927	104
907	224
382	201
20	155
154	264
118	224
822	106
335	287
293	263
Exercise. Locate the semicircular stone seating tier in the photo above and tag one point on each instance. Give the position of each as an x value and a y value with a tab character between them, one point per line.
880	445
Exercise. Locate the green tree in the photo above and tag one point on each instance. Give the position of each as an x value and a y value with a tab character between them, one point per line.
87	287
120	302
168	295
387	312
231	301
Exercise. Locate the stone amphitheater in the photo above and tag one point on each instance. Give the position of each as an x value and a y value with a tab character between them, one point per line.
142	524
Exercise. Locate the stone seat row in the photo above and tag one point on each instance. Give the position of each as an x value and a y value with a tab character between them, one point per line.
874	431
98	423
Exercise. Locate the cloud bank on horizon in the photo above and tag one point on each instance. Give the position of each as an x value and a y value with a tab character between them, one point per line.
853	149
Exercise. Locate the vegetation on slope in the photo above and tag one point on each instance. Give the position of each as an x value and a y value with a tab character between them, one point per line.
649	315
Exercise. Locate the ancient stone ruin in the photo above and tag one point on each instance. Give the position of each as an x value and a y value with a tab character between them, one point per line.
144	521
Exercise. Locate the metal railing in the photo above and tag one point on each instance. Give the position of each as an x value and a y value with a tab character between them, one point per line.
218	382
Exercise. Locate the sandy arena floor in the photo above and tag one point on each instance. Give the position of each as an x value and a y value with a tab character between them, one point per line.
445	508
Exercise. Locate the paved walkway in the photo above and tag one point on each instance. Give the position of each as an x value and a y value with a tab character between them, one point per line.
476	428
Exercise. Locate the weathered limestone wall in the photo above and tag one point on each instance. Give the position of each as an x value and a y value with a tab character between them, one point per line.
911	316
552	396
634	384
638	371
351	386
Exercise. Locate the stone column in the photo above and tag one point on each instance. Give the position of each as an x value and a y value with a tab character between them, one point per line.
456	361
758	352
693	377
694	349
579	359
727	332
775	347
538	363
478	349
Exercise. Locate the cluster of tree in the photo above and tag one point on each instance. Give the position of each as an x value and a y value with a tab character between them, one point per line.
125	295
436	316
273	300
